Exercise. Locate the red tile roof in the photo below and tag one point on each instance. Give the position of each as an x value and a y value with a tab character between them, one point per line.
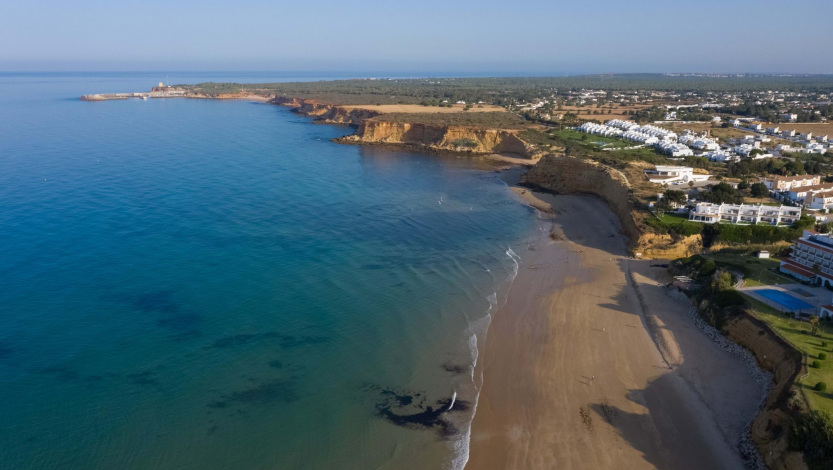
796	268
814	245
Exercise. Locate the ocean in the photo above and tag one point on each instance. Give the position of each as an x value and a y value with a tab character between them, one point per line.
195	284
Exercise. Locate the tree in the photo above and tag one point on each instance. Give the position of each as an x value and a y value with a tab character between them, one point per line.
759	190
744	184
814	324
675	196
691	184
795	167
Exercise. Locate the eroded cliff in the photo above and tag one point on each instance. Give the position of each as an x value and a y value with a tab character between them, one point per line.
326	113
468	139
773	353
570	175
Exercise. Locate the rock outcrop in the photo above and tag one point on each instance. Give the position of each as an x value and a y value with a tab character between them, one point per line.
569	175
468	139
325	113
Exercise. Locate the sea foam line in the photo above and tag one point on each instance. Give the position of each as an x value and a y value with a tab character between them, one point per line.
463	445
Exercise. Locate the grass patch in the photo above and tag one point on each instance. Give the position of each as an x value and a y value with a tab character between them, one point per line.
798	334
756	271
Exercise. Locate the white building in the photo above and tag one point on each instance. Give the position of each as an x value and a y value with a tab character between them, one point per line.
711	213
674	149
811	259
789	117
600	129
785	183
721	156
672	174
697	142
801	194
821	200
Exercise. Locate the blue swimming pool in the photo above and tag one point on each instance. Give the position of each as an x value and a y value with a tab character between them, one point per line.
789	302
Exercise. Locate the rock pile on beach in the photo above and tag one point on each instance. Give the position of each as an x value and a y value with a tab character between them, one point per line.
747	448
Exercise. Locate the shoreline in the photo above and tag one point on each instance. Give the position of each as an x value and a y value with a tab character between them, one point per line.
573	376
686	395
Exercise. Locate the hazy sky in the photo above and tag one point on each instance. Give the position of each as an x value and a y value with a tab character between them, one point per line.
485	36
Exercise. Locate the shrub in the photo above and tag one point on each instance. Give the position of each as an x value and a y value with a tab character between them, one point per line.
822	356
816	365
812	434
824	344
707	268
821	387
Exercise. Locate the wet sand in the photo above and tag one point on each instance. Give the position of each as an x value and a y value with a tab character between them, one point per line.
573	377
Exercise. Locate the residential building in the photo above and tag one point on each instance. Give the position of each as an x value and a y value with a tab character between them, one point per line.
711	213
674	149
789	117
800	194
821	200
784	183
671	174
811	259
721	156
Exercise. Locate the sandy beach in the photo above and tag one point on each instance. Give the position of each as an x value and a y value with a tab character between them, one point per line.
573	377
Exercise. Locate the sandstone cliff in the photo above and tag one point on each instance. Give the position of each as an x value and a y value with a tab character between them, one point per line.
469	139
568	175
330	114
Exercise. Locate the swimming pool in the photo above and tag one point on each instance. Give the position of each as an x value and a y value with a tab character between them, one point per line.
787	301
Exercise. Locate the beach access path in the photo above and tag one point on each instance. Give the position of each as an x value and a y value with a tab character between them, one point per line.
579	373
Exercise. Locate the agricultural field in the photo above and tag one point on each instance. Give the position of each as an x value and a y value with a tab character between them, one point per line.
616	111
498	120
417	108
817	129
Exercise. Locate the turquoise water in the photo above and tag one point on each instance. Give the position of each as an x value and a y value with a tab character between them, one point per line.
190	284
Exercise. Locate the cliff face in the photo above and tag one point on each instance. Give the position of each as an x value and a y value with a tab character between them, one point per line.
569	175
769	430
439	137
330	114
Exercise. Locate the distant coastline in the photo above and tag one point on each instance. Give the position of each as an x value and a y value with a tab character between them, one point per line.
553	173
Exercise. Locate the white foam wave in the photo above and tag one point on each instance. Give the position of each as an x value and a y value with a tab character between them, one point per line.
478	330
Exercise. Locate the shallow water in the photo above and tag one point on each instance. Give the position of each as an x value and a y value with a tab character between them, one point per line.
201	284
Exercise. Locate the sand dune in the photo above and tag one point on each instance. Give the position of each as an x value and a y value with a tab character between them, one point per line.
573	378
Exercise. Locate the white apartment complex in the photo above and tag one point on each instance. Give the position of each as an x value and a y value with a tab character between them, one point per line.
672	174
711	213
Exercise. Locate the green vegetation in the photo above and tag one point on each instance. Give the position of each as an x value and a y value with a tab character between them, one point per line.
675	224
507	90
465	143
798	333
756	271
812	434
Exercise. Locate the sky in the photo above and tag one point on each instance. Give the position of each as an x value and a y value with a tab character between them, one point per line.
510	37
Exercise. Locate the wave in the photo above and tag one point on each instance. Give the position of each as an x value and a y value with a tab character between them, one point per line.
477	335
